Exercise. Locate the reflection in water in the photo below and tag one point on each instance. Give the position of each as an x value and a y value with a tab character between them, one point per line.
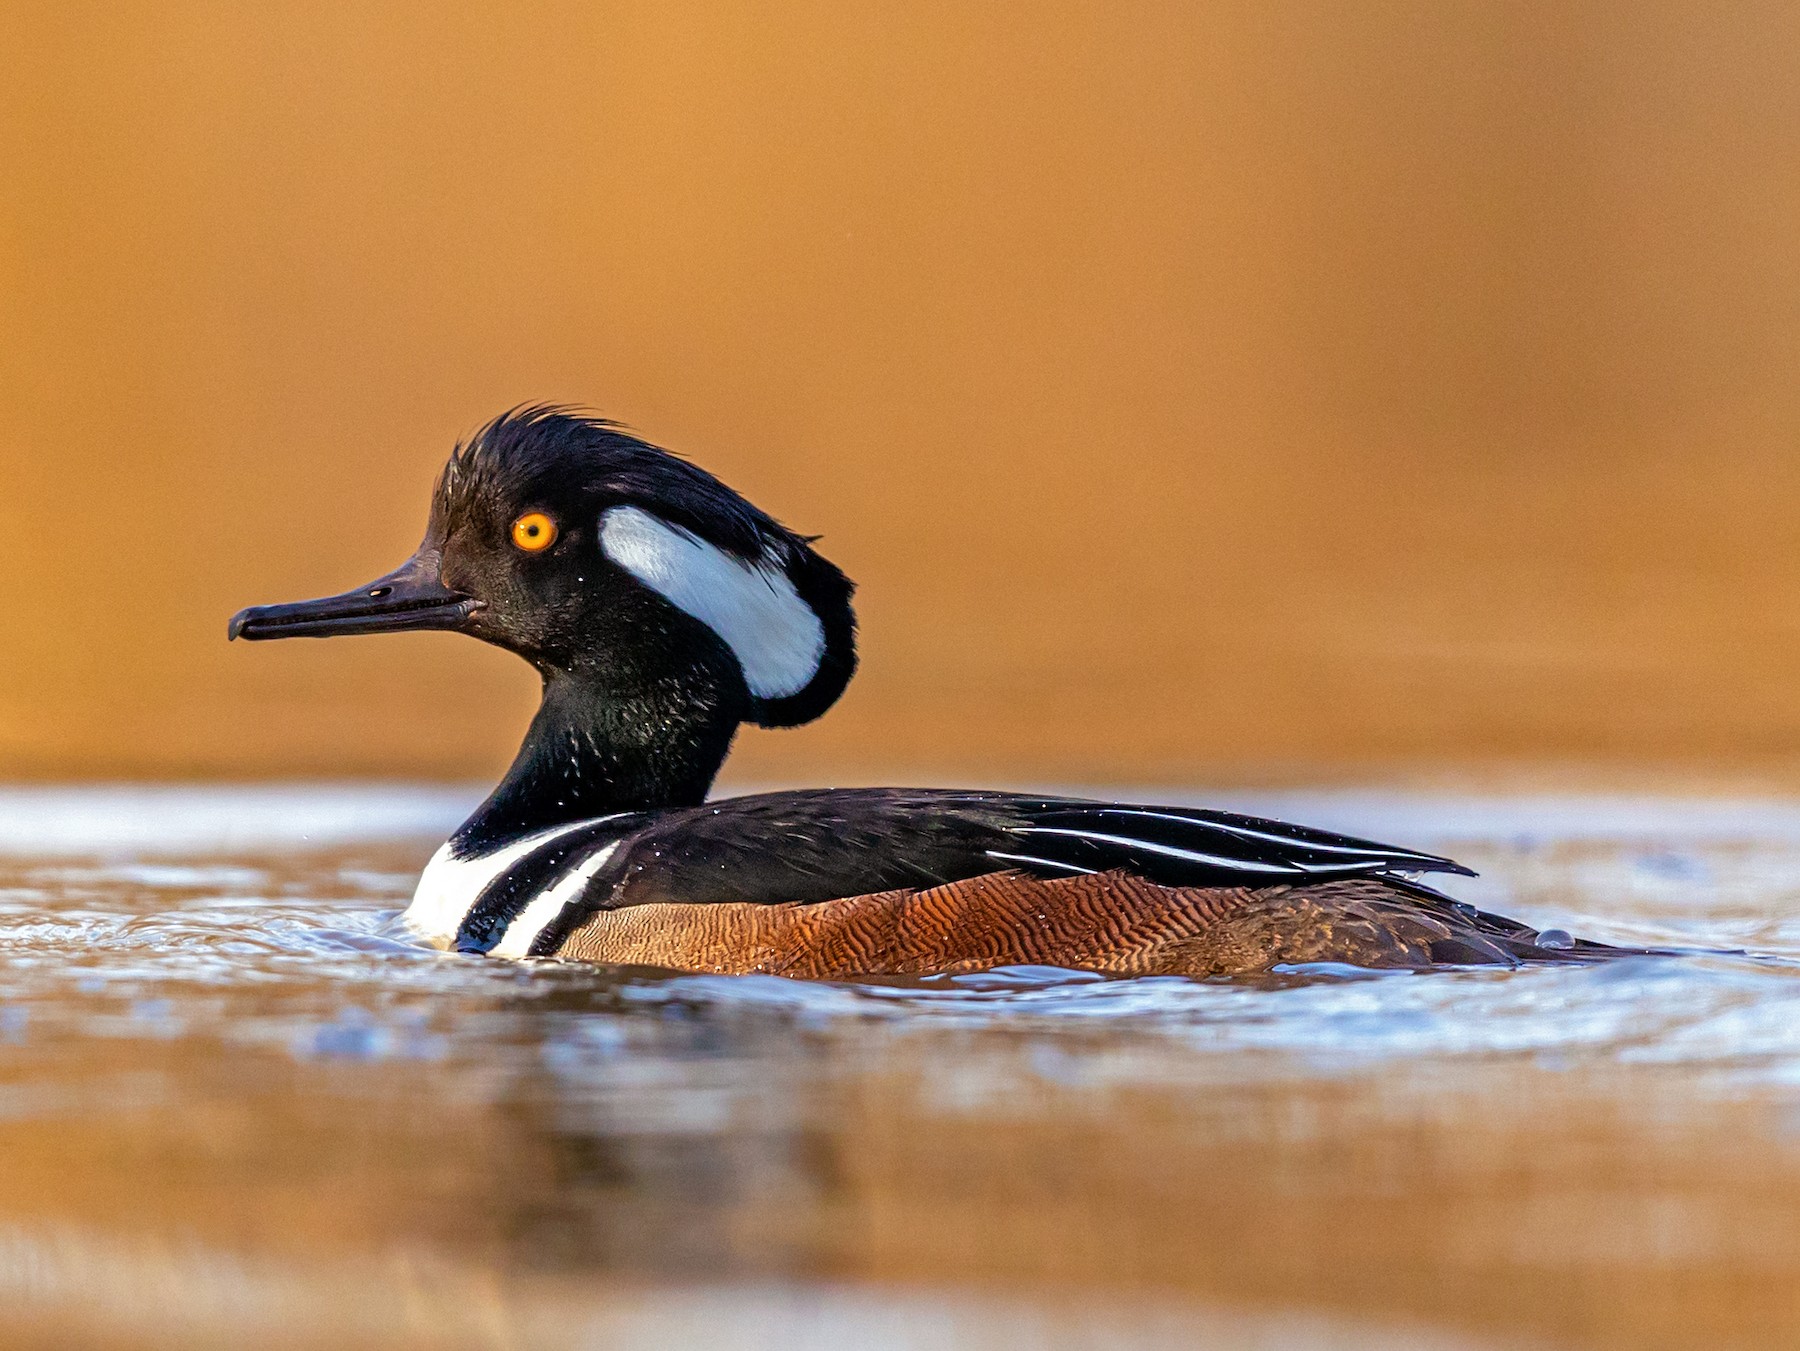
235	1099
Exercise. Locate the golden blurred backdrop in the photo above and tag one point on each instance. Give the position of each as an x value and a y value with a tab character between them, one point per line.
1244	389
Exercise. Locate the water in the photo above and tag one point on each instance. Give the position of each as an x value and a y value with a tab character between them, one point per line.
239	1105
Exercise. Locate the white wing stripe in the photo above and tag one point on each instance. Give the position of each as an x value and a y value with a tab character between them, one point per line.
1241	865
1170	851
1248	833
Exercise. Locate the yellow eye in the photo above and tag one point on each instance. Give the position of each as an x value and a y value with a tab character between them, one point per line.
534	532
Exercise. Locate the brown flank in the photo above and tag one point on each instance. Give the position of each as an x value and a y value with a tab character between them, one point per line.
1110	922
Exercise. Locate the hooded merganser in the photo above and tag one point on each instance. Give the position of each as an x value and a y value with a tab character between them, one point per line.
662	610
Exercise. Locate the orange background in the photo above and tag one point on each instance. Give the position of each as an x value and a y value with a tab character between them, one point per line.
1244	389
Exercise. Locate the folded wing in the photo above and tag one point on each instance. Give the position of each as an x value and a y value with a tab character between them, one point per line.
815	846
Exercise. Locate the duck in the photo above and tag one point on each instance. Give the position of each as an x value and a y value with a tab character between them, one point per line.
662	612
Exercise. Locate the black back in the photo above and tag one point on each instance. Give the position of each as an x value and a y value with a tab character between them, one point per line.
823	844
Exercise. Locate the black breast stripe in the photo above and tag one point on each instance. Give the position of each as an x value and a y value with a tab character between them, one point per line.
504	899
581	907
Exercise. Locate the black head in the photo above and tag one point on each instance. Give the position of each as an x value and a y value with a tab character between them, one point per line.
593	554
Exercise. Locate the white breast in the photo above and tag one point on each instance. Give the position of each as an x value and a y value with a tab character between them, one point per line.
449	886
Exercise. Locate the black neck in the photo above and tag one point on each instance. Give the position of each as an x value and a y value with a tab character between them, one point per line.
603	745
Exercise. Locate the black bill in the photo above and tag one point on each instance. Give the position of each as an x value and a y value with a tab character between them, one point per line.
410	597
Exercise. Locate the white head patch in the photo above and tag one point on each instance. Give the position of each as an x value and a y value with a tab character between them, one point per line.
753	606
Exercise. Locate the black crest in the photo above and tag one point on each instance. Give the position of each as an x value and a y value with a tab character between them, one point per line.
552	453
